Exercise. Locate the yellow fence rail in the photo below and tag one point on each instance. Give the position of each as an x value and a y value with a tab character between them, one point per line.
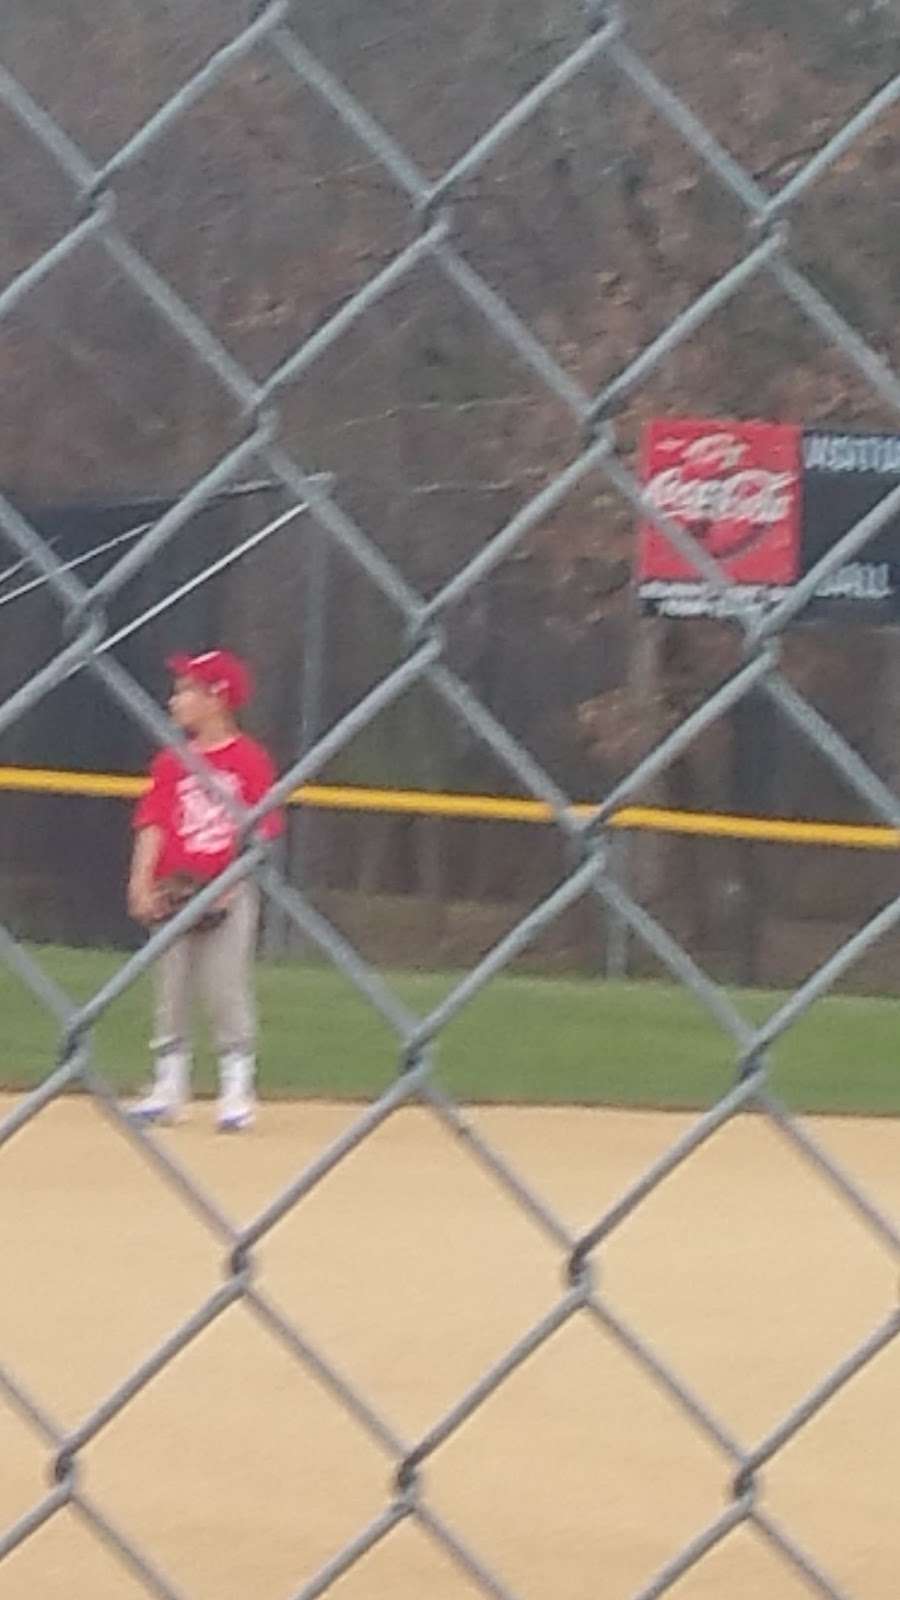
486	808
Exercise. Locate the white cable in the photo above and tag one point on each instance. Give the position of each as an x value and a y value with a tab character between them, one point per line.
79	561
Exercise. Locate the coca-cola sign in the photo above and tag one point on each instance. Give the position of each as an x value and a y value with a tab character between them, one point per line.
735	487
766	501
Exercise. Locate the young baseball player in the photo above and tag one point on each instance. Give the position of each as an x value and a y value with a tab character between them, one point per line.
181	828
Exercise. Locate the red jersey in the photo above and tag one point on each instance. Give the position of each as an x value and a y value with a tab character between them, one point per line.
198	834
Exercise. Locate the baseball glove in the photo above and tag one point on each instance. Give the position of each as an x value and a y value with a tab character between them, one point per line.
175	891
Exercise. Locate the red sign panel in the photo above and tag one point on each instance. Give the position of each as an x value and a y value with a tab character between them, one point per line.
735	487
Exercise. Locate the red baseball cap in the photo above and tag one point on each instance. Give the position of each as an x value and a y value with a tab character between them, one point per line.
218	670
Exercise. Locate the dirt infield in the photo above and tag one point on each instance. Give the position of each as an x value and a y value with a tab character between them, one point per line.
414	1272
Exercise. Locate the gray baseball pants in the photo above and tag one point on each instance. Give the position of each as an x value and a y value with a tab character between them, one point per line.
219	967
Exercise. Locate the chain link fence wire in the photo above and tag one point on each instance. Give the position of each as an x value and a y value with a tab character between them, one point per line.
437	239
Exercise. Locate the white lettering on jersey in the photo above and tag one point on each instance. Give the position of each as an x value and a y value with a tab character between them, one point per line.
201	821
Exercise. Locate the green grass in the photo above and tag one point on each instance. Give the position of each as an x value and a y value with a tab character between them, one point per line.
523	1039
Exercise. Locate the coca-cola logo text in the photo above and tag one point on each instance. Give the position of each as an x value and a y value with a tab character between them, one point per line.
750	498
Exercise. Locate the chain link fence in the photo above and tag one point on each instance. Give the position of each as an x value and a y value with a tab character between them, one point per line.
437	239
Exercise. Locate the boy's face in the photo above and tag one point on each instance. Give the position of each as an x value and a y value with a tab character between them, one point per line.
192	706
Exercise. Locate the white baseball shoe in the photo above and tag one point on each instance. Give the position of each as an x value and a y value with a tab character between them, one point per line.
236	1111
166	1100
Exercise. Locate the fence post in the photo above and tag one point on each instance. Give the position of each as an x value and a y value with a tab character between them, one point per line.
616	926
